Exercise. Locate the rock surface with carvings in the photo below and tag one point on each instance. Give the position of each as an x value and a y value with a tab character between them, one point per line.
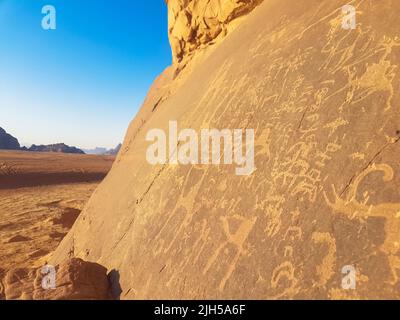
324	103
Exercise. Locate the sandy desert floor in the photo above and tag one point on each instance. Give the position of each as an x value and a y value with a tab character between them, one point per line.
41	196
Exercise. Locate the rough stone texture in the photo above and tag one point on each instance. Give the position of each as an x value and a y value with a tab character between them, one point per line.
75	280
7	141
2	293
324	102
195	23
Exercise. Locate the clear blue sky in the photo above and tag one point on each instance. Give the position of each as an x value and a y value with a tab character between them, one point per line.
83	82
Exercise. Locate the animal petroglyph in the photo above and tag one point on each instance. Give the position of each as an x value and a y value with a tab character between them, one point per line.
350	206
238	239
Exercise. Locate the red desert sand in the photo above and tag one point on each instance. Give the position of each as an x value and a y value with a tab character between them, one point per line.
41	196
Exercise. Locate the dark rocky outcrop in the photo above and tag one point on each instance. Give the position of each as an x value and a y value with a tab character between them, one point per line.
7	141
59	147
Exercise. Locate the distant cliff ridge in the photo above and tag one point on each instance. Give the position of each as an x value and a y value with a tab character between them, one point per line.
95	151
114	152
103	151
7	141
59	147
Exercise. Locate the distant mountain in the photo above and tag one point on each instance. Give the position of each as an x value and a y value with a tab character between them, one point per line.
25	144
60	147
96	151
103	151
114	152
7	141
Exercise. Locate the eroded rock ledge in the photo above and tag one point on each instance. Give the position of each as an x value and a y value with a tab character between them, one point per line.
75	280
195	23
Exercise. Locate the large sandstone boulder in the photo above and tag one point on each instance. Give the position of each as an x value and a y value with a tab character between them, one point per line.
325	197
75	279
7	141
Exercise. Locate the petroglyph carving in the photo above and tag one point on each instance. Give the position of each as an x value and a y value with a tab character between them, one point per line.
238	239
326	269
352	208
284	272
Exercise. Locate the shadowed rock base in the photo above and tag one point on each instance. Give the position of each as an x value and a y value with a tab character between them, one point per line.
75	280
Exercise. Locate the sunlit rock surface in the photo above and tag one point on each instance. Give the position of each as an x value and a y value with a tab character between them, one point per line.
324	103
195	23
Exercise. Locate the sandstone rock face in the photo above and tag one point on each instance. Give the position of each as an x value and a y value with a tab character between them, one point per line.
2	290
75	280
325	198
195	23
7	141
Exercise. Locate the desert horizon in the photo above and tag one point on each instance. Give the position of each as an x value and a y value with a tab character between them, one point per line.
200	151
